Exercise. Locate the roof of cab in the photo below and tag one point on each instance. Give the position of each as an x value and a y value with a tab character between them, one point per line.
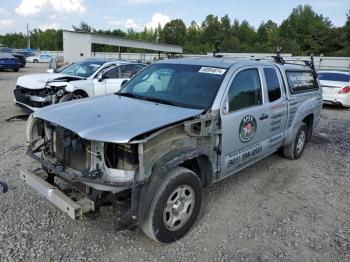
229	62
214	62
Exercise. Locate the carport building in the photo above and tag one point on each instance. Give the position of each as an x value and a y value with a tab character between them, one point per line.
78	45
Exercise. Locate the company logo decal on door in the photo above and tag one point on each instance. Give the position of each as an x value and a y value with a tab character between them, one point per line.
247	128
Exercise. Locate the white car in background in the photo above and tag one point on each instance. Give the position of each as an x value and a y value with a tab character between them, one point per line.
88	78
42	58
335	87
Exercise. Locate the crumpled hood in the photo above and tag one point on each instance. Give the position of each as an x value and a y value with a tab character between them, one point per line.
38	81
113	118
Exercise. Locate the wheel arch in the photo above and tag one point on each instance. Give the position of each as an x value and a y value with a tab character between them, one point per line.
80	92
309	121
190	158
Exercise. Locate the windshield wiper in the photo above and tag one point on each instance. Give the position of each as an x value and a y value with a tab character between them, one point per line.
151	99
131	95
160	100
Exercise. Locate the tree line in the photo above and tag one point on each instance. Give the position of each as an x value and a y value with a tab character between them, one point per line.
302	33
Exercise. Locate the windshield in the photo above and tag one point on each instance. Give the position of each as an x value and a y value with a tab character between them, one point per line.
83	69
190	86
334	77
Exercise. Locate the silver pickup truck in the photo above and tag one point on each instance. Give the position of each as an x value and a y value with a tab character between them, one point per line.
177	126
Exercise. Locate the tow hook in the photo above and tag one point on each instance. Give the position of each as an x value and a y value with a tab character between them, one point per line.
4	186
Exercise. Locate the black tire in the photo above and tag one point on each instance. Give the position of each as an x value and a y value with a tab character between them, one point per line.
294	150
35	61
71	96
154	224
16	70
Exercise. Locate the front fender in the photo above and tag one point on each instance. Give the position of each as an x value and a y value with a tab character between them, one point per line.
84	85
173	159
69	88
160	169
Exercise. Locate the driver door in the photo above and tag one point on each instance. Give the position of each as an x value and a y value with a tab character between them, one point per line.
99	87
245	121
103	80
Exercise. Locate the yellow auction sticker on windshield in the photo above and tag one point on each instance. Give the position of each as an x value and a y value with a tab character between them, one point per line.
212	70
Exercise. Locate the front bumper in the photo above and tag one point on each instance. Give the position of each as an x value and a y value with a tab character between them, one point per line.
32	99
74	209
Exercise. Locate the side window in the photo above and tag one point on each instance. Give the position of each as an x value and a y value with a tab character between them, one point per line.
128	71
273	84
301	81
245	90
113	73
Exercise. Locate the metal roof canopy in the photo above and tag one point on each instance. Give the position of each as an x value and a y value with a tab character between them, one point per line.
77	45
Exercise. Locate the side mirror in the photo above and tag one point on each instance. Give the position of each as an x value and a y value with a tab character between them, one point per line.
50	70
100	78
124	82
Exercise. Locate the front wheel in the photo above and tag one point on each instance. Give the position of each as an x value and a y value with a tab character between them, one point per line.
71	96
174	207
296	148
35	61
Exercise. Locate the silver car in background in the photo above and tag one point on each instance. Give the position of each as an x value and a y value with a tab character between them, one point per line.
336	87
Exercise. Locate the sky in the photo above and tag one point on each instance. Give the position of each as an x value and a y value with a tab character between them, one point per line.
136	14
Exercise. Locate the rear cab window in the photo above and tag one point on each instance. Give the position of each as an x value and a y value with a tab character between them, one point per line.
273	84
301	81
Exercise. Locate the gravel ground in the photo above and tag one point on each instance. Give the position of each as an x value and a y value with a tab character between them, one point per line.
275	210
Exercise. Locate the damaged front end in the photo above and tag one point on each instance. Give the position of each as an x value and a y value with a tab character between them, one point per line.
103	166
37	98
107	164
34	98
98	171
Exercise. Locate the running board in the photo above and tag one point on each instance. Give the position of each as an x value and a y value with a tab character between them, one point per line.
74	209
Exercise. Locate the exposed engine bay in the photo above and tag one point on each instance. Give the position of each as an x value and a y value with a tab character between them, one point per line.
100	165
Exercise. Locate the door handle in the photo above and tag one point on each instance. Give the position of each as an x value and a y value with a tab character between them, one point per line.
264	116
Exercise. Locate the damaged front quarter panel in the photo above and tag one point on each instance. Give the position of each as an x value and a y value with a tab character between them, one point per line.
197	135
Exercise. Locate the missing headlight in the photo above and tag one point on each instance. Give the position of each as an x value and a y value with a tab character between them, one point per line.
118	156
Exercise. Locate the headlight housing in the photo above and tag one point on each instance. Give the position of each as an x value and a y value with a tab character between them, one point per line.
35	131
30	124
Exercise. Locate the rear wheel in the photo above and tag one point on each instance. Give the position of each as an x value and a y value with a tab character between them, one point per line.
16	70
296	148
174	207
35	61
